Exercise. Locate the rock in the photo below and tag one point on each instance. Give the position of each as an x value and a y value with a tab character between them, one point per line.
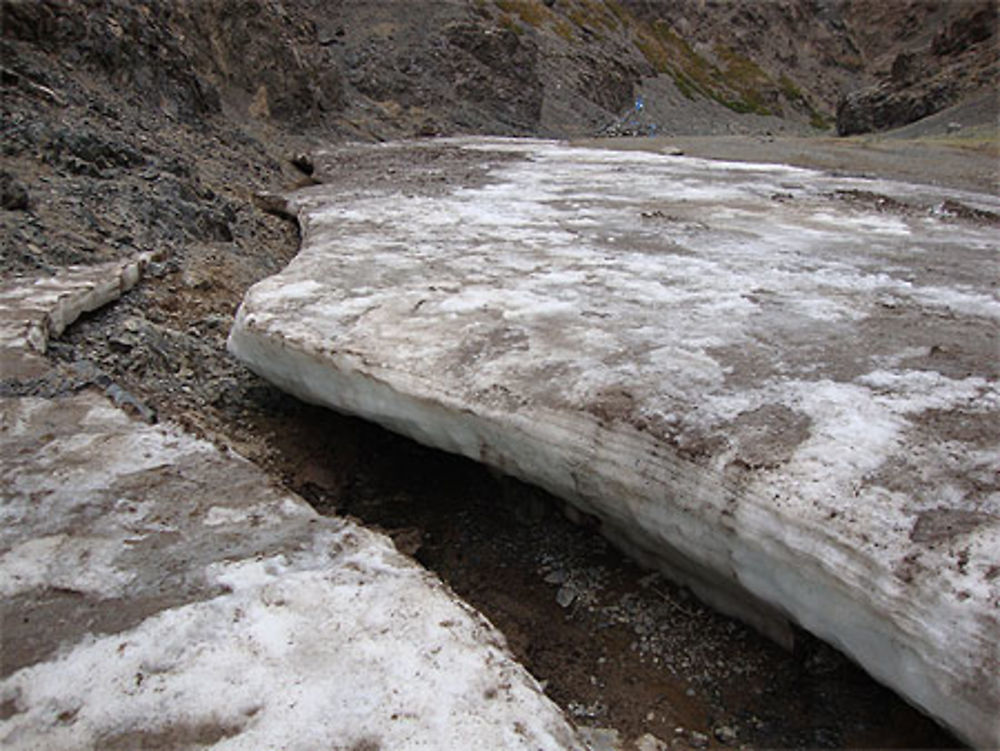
968	29
650	742
952	208
130	404
880	108
769	440
565	595
558	576
697	740
500	71
601	739
303	163
87	152
13	193
274	204
725	734
407	540
925	79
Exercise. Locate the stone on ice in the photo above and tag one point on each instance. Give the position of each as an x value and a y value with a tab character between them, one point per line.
773	383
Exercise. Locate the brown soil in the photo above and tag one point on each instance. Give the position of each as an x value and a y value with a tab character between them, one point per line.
962	162
957	148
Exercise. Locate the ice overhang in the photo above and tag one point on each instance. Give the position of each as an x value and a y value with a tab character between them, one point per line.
779	385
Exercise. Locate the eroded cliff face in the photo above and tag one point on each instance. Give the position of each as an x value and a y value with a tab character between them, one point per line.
920	57
551	67
192	59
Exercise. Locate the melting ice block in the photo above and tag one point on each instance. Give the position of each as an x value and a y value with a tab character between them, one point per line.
159	593
778	385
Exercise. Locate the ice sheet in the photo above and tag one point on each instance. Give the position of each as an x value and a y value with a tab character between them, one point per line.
780	393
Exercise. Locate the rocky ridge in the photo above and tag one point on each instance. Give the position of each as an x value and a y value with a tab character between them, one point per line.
952	53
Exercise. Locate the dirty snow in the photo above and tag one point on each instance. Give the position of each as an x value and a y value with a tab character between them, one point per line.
160	593
32	310
730	365
296	632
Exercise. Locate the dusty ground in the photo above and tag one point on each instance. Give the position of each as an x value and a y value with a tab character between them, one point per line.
619	648
958	148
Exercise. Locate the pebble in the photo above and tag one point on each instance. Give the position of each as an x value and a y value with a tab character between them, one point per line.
725	733
650	742
555	577
565	596
601	739
697	740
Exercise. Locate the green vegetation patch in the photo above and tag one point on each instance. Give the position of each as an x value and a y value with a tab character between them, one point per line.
739	85
564	29
532	12
593	14
508	22
654	53
697	68
790	91
794	95
743	76
625	19
818	120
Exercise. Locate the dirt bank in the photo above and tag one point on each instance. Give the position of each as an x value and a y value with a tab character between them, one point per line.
957	148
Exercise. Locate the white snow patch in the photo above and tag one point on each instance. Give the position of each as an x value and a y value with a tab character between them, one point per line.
289	659
84	565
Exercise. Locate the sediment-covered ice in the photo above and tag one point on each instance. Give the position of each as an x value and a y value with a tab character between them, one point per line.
32	311
772	382
160	593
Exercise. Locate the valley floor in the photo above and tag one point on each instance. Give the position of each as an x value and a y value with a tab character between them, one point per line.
604	656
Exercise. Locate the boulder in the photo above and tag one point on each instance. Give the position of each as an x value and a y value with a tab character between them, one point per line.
882	107
13	193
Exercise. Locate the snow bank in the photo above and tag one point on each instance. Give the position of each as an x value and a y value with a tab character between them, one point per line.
31	311
755	377
159	593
